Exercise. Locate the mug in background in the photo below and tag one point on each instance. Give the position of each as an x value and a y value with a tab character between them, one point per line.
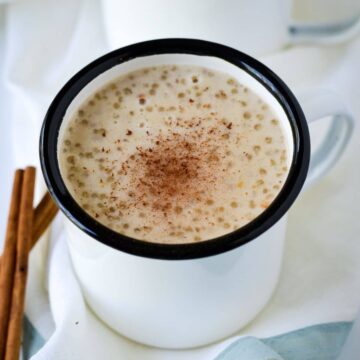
187	295
253	26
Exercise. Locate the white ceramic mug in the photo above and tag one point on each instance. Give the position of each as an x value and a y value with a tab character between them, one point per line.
187	295
253	26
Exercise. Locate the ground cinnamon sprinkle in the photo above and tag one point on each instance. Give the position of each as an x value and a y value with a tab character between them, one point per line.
176	170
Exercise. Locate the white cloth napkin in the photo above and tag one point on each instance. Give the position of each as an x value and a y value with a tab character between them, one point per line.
46	42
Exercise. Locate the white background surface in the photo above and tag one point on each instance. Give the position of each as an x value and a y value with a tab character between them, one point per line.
320	281
6	160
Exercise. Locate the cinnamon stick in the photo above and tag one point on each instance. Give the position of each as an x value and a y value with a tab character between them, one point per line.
24	236
9	258
43	216
44	213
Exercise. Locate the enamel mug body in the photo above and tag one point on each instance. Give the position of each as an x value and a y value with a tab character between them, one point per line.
188	295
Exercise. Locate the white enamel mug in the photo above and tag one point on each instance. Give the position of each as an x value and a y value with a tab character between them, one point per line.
187	295
253	26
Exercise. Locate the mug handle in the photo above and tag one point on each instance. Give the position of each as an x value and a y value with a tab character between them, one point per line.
324	33
318	104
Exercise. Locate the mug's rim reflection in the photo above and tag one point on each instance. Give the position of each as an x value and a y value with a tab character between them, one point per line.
279	206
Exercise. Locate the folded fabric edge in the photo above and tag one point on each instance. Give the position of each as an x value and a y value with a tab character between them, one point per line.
32	340
316	342
322	341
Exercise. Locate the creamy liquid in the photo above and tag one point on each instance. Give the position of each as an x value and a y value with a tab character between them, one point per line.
174	154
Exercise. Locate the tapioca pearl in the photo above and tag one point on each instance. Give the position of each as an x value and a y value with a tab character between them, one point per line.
142	100
85	206
163	77
259	182
234	204
252	204
99	132
268	139
232	82
229	165
208	73
71	159
240	184
226	225
71	177
274	122
262	171
178	210
256	149
195	79
257	127
80	184
269	196
221	94
247	115
94	195
179	234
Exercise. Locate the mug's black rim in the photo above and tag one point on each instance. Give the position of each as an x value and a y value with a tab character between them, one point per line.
289	192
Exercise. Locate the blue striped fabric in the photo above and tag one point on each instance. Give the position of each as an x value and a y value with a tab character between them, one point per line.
32	340
318	342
